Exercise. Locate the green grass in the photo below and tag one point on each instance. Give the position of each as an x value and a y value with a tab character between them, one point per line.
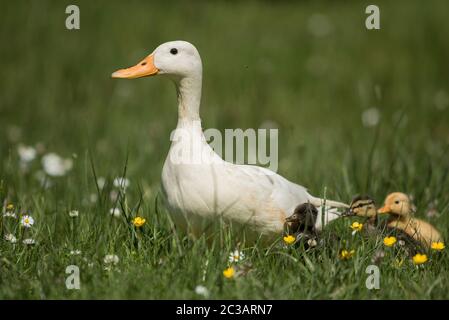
261	62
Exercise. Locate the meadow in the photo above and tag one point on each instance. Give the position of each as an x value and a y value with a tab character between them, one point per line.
358	111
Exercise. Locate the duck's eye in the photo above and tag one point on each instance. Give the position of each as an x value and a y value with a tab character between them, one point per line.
397	202
174	51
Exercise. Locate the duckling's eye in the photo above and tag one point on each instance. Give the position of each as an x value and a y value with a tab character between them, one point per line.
174	51
397	202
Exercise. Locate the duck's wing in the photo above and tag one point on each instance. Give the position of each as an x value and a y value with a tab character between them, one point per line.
280	192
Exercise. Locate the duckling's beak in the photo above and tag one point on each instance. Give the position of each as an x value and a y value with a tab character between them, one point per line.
384	209
144	68
289	220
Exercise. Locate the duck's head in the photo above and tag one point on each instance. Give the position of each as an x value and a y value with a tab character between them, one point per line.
397	203
178	59
362	206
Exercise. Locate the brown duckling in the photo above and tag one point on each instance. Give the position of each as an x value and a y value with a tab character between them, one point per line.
302	222
401	209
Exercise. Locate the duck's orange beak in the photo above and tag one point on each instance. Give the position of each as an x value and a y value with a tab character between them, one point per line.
144	68
384	209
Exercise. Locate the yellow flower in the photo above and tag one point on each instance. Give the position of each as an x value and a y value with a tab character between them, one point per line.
357	226
437	246
346	255
10	207
390	241
138	221
420	258
289	239
229	273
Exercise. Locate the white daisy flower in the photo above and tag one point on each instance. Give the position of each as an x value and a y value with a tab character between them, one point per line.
111	259
56	166
73	213
10	214
75	252
202	291
312	243
29	241
113	195
121	182
26	153
101	182
236	256
11	238
115	212
370	117
27	221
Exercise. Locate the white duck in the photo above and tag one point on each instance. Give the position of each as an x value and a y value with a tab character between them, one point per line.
199	186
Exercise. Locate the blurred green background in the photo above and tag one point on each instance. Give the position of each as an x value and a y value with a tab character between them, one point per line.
357	110
311	68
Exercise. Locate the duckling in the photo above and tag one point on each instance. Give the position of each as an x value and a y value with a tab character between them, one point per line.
302	222
401	209
364	206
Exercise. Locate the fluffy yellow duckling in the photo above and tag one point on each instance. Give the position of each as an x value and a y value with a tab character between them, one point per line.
401	209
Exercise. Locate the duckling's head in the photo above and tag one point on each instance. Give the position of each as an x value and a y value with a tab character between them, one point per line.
303	218
363	206
397	203
178	59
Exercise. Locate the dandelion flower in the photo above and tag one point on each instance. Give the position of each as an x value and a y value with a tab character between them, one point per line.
438	246
229	273
29	241
10	207
202	291
73	214
390	241
236	256
111	259
356	227
138	221
289	239
10	238
419	259
56	166
346	255
27	221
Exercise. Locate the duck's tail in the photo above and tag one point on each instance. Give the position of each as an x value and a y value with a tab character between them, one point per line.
331	209
318	202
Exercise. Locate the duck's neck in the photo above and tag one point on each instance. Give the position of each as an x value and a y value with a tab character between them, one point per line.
189	98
